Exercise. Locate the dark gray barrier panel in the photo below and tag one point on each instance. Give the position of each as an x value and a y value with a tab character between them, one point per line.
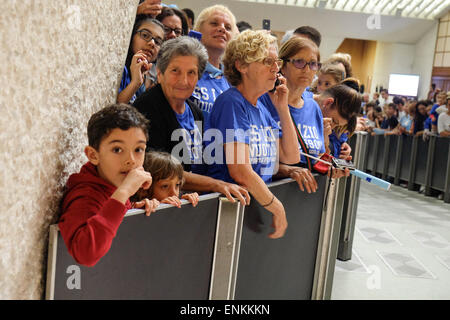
165	256
405	147
380	155
358	142
370	154
392	158
441	163
421	162
282	268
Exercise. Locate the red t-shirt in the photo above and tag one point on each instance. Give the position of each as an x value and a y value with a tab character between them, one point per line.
90	218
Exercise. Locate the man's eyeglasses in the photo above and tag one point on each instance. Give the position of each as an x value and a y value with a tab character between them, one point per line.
177	31
269	61
148	36
300	64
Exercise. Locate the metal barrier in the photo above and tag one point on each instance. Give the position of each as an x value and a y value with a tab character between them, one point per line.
358	143
218	250
412	160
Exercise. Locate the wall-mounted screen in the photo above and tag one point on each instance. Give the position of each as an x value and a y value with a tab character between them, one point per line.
403	84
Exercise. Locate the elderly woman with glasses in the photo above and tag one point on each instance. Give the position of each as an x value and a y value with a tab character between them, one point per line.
174	119
147	38
217	25
252	143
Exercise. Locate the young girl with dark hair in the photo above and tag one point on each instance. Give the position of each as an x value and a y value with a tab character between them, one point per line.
146	40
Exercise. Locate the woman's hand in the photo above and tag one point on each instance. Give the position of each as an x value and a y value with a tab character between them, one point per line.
339	173
304	179
279	221
191	197
280	96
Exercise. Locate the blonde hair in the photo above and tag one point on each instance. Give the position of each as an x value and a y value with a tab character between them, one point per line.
346	61
207	12
249	46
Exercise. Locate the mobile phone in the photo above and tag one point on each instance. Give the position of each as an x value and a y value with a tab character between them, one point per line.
342	164
277	83
266	24
195	34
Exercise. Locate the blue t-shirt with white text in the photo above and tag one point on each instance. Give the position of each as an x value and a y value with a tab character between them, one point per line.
237	120
208	88
191	135
309	122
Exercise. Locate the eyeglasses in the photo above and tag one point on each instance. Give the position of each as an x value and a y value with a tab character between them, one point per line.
177	31
269	61
300	64
148	36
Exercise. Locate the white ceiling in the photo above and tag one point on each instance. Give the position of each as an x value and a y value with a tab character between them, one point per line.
421	9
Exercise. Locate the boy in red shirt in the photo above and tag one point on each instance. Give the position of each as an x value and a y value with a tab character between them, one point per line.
97	198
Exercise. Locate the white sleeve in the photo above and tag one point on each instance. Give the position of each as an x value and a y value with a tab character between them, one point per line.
441	123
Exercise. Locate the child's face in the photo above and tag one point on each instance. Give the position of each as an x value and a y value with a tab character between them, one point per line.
166	188
324	81
150	49
118	153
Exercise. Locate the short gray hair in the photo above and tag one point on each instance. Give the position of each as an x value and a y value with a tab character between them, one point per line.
182	46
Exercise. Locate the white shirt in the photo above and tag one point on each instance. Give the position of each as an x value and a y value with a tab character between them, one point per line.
443	122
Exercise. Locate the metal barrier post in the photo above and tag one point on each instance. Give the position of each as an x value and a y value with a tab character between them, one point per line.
329	240
429	168
398	160
375	155
447	180
387	141
351	200
412	166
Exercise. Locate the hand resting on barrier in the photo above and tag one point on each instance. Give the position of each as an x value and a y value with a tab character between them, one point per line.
303	176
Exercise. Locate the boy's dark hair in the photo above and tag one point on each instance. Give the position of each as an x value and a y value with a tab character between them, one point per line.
398	100
392	105
311	33
121	116
243	25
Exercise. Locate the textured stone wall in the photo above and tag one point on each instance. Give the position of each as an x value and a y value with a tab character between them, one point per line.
60	62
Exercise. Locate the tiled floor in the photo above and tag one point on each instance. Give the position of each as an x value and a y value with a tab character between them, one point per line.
401	248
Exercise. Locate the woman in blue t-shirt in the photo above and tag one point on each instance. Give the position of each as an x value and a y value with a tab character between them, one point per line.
217	25
247	140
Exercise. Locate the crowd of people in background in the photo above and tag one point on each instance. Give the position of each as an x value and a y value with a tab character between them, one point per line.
207	104
402	115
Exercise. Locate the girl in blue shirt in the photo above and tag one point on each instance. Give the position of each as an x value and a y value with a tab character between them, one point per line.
147	38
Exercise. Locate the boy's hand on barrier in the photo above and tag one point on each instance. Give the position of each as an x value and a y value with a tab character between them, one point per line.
148	205
304	179
191	197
